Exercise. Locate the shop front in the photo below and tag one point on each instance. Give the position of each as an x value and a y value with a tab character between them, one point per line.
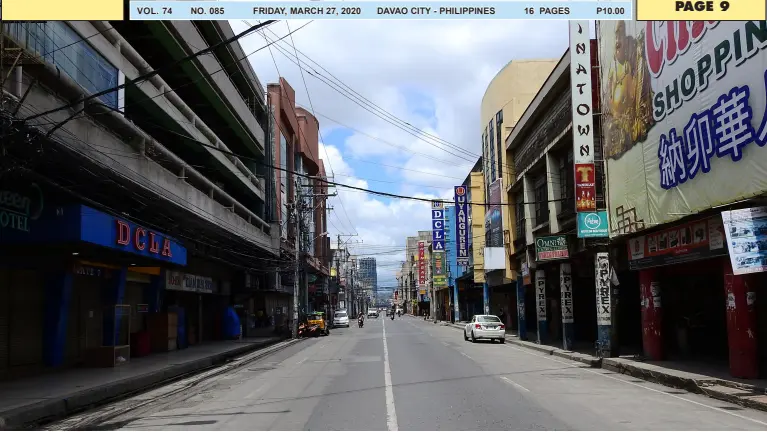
75	287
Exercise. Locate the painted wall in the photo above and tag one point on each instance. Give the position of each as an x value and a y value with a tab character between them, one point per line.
477	195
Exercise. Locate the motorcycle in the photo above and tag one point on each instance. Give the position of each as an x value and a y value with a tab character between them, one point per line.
399	313
392	316
360	322
302	330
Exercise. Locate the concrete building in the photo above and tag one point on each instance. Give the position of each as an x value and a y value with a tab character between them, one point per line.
368	273
152	200
294	138
505	100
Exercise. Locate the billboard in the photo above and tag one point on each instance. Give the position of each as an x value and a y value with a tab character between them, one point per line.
493	222
462	225
683	117
691	241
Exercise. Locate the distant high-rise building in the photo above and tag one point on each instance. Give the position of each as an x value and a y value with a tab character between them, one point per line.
368	275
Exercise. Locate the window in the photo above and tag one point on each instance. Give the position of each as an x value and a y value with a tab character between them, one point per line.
499	140
491	152
62	46
541	201
519	203
488	319
566	183
283	186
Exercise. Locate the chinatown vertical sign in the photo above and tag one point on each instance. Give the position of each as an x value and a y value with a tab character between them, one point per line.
461	226
583	121
421	264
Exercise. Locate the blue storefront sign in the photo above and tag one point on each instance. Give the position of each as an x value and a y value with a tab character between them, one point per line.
461	226
593	224
80	223
437	227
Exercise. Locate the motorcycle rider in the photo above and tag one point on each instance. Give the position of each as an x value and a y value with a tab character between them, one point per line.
360	319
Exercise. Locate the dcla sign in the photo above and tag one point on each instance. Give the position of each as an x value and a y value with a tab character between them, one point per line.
141	239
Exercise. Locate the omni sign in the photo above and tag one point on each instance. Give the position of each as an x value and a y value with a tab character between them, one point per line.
461	226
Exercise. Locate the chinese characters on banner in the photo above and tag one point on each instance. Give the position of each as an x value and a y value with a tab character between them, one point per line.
462	226
604	306
421	264
583	121
684	124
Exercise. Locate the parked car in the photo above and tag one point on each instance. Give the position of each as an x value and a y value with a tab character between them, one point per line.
341	319
485	327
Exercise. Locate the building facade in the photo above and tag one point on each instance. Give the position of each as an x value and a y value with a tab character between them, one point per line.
505	100
148	222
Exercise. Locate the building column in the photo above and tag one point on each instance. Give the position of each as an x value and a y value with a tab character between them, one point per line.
486	297
521	318
604	302
58	295
540	305
154	291
568	316
652	314
456	308
113	295
741	324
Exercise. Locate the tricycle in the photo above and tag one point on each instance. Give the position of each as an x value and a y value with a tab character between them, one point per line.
316	325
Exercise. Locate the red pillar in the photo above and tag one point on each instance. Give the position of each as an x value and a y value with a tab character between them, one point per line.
652	314
741	324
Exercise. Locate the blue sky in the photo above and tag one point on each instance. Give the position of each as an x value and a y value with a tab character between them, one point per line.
430	74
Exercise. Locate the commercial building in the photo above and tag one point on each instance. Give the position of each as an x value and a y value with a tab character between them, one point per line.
470	279
505	100
368	273
298	178
142	215
685	163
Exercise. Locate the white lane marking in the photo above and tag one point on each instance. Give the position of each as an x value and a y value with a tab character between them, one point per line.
465	355
302	360
258	390
720	410
445	344
519	386
391	412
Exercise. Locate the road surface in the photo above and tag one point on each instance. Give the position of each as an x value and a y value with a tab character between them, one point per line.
409	374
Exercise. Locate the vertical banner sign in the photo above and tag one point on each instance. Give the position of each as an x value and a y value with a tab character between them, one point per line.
462	226
566	286
583	121
604	306
421	264
568	319
540	294
437	227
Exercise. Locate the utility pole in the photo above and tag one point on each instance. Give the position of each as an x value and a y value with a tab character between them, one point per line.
297	275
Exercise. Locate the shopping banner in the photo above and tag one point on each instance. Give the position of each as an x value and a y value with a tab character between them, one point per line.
421	264
683	117
437	226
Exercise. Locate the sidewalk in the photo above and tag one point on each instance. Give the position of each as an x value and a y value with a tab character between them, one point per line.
699	379
57	394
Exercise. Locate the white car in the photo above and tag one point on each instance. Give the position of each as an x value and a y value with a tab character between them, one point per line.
341	319
372	313
485	327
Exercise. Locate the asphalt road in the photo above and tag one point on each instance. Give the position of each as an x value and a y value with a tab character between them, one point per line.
408	374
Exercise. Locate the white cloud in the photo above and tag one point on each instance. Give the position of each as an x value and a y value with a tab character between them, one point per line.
431	74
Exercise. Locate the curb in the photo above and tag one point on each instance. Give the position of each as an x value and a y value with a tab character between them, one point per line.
51	410
714	388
